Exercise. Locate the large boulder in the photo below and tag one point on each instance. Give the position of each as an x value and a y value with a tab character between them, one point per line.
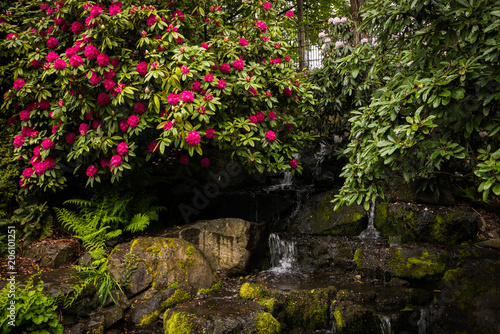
425	223
53	254
317	216
160	263
232	245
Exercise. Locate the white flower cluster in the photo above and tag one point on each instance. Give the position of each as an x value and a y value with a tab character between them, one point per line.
337	20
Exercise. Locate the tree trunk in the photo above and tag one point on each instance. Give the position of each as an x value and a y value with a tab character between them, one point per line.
355	7
302	39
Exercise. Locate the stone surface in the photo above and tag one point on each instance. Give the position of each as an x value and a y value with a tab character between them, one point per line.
229	244
425	223
318	217
162	263
492	243
53	254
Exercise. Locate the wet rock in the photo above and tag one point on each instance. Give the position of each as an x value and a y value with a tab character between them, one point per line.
318	217
54	254
354	319
214	317
425	224
160	263
492	243
230	244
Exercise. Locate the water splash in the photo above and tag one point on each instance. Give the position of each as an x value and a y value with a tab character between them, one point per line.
320	157
385	324
371	233
282	254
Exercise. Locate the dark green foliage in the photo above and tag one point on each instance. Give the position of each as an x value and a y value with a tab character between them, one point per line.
34	220
8	170
35	313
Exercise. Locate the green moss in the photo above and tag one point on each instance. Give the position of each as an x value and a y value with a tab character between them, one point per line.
308	309
178	323
190	251
153	249
213	289
339	321
358	258
266	323
99	330
250	291
147	319
425	265
183	264
269	304
400	223
468	287
178	297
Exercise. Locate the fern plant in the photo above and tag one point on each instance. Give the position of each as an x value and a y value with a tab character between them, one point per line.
105	217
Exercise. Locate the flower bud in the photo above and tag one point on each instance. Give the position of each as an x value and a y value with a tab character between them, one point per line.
176	59
80	96
147	52
37	50
226	39
103	27
38	86
147	90
248	78
182	49
112	112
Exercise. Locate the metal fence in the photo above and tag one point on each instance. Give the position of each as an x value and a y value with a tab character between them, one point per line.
313	55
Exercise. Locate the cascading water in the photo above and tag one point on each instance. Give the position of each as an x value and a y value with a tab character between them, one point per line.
282	254
423	321
385	324
371	233
319	156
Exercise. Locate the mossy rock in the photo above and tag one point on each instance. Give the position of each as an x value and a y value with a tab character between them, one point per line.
354	319
373	262
318	217
308	309
161	263
208	317
251	291
425	223
417	263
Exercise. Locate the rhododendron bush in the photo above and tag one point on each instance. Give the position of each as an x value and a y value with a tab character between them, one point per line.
109	86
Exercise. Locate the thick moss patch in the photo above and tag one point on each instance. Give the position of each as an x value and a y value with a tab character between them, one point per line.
308	309
417	263
250	291
177	323
266	324
354	319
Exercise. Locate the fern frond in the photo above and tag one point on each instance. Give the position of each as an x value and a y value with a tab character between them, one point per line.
70	220
113	234
138	223
79	202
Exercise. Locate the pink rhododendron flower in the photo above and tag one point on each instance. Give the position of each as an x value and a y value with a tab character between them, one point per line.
142	68
289	126
27	172
48	144
184	69
103	59
206	46
209	133
49	163
91	52
24	115
18	141
265	38
60	64
124	126
243	41
96	123
293	163
36	151
103	99
26	131
83	128
52	56
268	94
151	20
92	171
208	78
109	84
179	15
289	14
193	138
238	64
184	160
221	84
173	99
197	85
19	83
288	92
252	91
253	119
267	6
261	25
40	168
115	62
35	63
287	58
187	96
225	68
22	184
139	108
52	43
208	97
109	74
152	147
277	45
104	163
116	161
95	79
272	115
54	129
95	11
114	9
70	52
122	148
205	162
201	109
75	61
179	40
167	126
270	136
133	121
11	36
260	117
70	138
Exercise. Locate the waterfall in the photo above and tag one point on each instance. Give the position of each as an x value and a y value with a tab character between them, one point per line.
282	254
385	324
320	157
423	321
371	233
